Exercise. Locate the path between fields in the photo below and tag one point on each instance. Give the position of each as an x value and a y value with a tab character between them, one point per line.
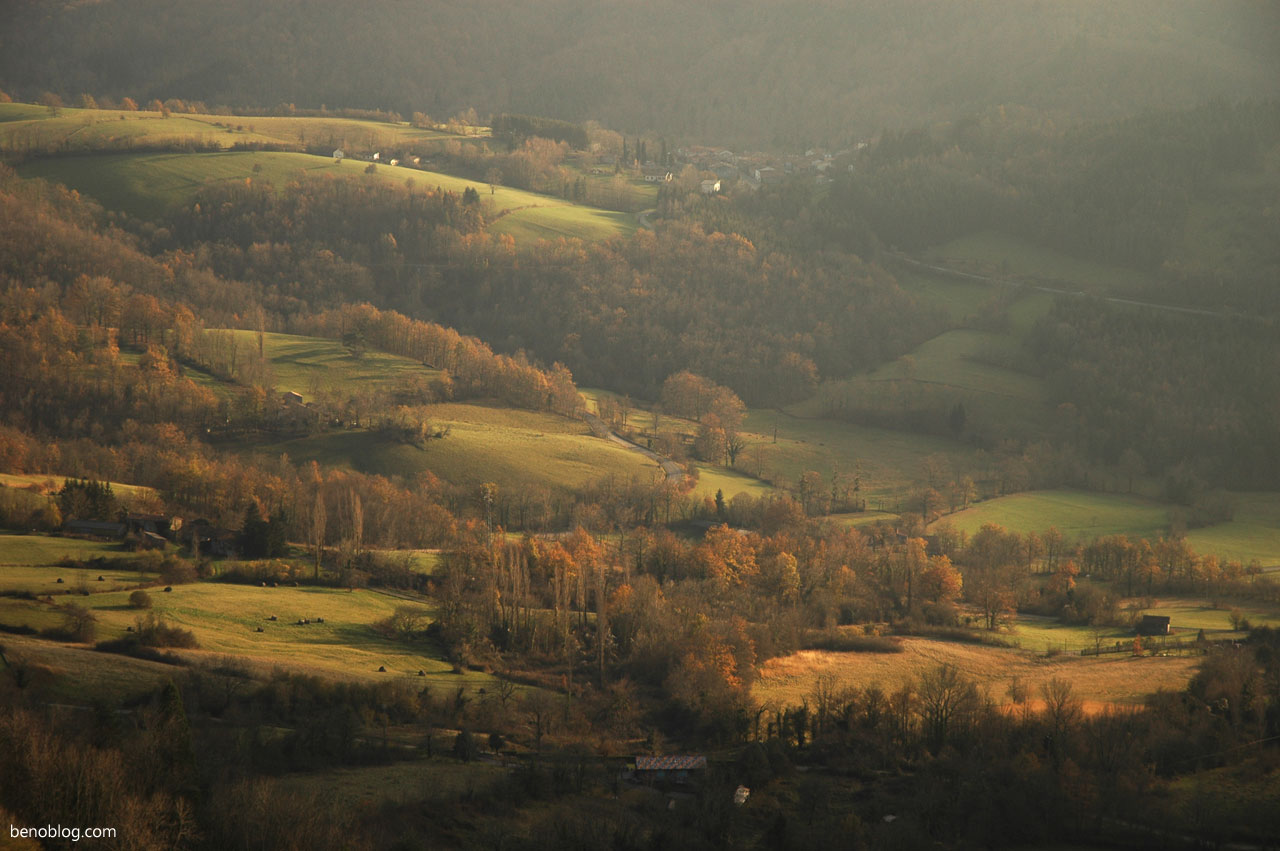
675	473
986	279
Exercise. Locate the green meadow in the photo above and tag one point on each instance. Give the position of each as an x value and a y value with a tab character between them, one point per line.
1077	514
29	125
1001	255
514	449
148	185
889	460
307	364
225	619
1254	533
28	551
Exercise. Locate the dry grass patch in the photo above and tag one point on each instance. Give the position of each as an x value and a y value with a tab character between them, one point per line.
1098	681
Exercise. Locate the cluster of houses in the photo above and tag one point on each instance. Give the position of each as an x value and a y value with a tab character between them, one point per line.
755	170
154	531
722	167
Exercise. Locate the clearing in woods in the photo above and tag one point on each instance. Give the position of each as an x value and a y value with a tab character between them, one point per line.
513	448
1097	681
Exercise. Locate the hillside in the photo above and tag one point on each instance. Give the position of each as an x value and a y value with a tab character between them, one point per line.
149	185
742	75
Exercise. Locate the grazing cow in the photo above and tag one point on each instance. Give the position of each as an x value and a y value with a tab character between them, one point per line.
168	588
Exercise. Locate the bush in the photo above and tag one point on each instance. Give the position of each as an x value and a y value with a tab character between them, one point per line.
78	624
847	642
176	571
152	631
140	600
405	624
129	646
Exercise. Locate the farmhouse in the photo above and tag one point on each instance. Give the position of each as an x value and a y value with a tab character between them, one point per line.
710	187
768	175
156	524
674	769
291	398
656	174
95	529
724	171
1153	625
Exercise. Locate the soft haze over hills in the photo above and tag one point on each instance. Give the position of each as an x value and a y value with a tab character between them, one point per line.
754	72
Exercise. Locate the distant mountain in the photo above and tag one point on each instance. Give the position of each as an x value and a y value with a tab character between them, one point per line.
748	72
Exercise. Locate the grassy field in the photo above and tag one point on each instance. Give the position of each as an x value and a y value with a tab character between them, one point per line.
1078	514
76	675
1098	681
147	185
1254	533
567	222
889	459
1001	255
729	482
958	299
27	125
42	550
413	781
514	449
224	619
46	483
307	364
44	580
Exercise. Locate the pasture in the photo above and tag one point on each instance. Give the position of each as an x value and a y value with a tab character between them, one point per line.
224	618
1079	515
515	449
1254	533
411	781
889	460
30	126
49	483
1098	681
72	674
149	185
307	365
44	550
1004	256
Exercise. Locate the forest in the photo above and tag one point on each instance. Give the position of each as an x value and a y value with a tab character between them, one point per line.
759	74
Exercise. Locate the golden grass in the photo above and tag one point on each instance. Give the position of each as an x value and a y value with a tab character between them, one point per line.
1099	682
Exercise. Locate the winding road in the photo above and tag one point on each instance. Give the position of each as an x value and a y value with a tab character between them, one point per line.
675	473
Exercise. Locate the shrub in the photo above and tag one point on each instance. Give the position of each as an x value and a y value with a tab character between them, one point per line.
152	631
140	600
78	624
176	571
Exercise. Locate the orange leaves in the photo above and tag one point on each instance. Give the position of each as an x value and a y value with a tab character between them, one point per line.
727	556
